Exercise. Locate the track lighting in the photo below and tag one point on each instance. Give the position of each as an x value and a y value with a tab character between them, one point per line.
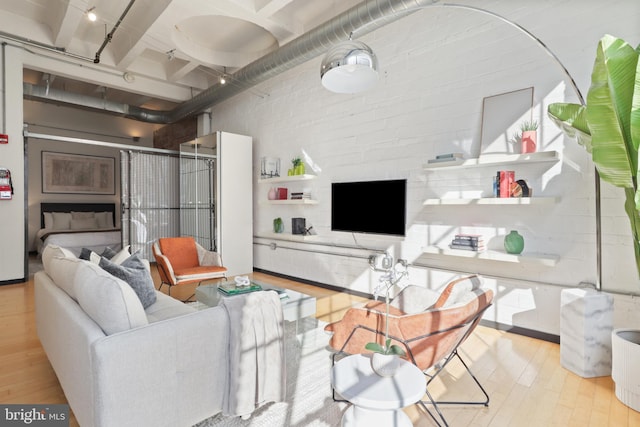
223	77
91	15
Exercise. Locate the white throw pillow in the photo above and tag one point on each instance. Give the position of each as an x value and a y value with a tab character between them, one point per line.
51	251
61	220
63	272
109	301
121	256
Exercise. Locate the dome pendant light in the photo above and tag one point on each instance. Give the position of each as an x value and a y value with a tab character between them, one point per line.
349	67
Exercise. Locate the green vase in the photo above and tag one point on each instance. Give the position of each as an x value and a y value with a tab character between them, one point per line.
299	169
513	243
278	225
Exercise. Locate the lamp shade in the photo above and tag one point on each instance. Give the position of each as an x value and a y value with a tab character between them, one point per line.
349	67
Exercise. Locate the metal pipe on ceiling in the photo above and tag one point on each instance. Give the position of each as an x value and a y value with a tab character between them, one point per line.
372	13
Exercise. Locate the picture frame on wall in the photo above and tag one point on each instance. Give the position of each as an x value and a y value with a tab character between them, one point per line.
77	174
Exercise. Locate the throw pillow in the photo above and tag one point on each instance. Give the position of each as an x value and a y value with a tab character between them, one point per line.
114	256
82	215
51	251
108	253
89	255
62	271
458	291
61	220
135	273
83	224
105	219
414	299
109	301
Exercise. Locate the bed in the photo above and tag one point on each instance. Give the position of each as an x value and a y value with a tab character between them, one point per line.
78	225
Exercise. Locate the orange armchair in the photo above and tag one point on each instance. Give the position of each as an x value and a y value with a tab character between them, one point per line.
181	261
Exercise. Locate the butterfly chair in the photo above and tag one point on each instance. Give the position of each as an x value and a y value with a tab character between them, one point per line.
429	326
181	261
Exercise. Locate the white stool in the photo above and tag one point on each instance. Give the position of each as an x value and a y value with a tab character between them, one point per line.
377	401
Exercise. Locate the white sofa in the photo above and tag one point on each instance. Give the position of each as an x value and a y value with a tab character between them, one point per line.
120	364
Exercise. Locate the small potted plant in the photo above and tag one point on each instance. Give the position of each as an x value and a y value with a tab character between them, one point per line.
527	137
298	166
386	357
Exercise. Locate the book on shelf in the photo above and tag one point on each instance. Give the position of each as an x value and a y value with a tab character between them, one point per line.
471	237
449	156
233	289
504	180
466	242
444	160
466	247
300	195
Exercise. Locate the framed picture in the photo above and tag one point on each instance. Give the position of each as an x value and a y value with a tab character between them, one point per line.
501	117
77	173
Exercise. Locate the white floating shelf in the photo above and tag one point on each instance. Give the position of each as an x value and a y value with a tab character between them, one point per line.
492	255
494	201
290	202
496	160
287	236
288	178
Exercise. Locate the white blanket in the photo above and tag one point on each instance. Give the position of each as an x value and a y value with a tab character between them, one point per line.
257	367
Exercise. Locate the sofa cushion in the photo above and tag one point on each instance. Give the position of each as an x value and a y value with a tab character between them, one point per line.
62	271
51	251
459	291
166	307
181	251
414	299
133	271
109	301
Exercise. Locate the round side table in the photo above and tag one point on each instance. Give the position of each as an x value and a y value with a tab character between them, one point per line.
376	400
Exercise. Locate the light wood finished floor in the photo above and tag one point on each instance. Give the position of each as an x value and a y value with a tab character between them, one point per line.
523	376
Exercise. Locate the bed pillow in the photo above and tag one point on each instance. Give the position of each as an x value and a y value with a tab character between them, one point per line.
133	271
105	219
83	224
48	220
89	255
109	301
61	220
82	215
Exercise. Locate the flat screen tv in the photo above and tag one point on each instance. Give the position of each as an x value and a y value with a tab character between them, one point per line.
377	207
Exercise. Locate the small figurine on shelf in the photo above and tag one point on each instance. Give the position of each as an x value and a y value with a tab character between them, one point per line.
298	166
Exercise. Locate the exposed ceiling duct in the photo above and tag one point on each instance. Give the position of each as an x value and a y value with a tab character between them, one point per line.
365	17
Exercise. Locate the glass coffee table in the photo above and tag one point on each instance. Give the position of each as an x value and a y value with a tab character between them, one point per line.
295	306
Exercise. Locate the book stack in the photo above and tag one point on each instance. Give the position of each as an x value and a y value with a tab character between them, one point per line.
448	157
233	289
300	195
468	242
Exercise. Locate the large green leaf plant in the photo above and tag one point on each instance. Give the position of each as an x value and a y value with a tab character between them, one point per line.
608	126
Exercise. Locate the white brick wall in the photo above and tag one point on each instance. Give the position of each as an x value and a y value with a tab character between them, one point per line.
436	67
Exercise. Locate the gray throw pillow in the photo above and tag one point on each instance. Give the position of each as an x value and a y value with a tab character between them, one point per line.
108	253
85	254
135	273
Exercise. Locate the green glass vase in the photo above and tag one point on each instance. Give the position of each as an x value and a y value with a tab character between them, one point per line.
513	243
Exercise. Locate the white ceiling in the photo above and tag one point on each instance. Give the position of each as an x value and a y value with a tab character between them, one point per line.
185	43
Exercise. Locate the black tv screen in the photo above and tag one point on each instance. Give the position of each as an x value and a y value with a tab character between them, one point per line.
369	206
